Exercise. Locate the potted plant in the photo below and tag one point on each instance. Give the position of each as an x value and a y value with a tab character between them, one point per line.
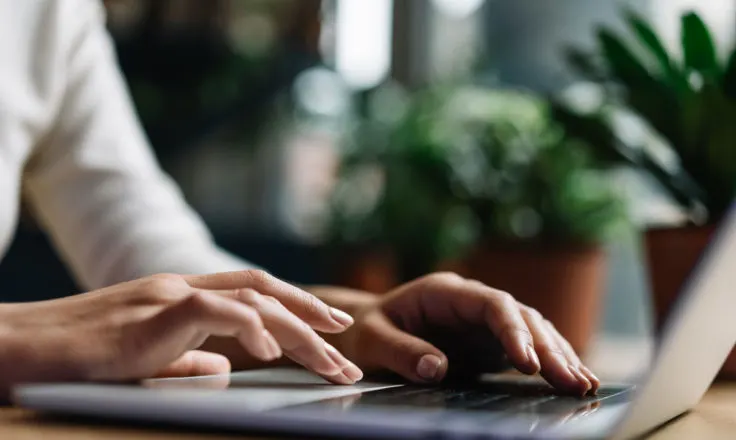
393	186
687	102
483	182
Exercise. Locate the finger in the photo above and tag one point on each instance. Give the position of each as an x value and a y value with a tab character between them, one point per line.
573	362
340	379
388	347
594	380
187	324
303	304
477	303
574	359
196	363
154	343
298	340
208	382
555	366
350	373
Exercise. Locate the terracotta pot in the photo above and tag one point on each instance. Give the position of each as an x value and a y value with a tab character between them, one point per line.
564	283
371	270
672	254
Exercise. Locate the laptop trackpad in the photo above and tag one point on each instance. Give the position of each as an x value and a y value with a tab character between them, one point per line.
267	389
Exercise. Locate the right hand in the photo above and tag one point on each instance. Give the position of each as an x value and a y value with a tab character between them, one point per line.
151	328
444	323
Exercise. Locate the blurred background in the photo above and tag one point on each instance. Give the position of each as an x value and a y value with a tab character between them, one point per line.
366	142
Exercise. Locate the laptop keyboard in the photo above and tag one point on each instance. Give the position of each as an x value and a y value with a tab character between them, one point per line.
495	398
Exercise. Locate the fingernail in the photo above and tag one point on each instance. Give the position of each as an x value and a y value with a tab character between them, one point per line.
428	367
353	373
581	378
342	379
589	373
274	350
594	380
349	369
533	358
341	317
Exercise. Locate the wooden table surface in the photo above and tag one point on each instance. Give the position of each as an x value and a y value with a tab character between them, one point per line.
714	418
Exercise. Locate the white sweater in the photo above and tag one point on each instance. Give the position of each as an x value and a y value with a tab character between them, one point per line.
71	143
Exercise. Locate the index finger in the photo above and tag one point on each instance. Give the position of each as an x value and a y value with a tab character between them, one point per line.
303	304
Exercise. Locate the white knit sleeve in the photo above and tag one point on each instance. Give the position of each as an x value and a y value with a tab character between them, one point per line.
95	184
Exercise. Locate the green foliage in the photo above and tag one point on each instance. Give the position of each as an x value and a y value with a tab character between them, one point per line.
689	101
698	46
465	165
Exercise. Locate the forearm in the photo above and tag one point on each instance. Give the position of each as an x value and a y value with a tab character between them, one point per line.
350	301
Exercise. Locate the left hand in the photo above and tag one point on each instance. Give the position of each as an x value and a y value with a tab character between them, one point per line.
444	324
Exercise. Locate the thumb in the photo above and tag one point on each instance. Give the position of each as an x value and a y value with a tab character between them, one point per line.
390	348
197	363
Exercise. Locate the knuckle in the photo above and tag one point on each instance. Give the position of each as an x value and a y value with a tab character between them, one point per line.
548	324
303	303
445	278
546	347
571	351
510	328
305	329
165	280
198	304
258	277
167	277
312	305
532	314
198	299
478	284
248	296
504	299
163	287
498	304
252	317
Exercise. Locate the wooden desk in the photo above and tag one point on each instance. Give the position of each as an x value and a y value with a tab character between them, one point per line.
713	419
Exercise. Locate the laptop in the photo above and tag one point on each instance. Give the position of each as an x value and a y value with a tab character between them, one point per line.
696	340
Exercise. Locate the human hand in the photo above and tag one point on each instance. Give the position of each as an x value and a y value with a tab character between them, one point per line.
150	327
443	323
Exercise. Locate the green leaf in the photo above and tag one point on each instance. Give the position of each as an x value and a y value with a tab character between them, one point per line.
653	100
606	146
698	46
652	42
718	167
621	60
729	77
659	106
679	184
594	132
693	124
